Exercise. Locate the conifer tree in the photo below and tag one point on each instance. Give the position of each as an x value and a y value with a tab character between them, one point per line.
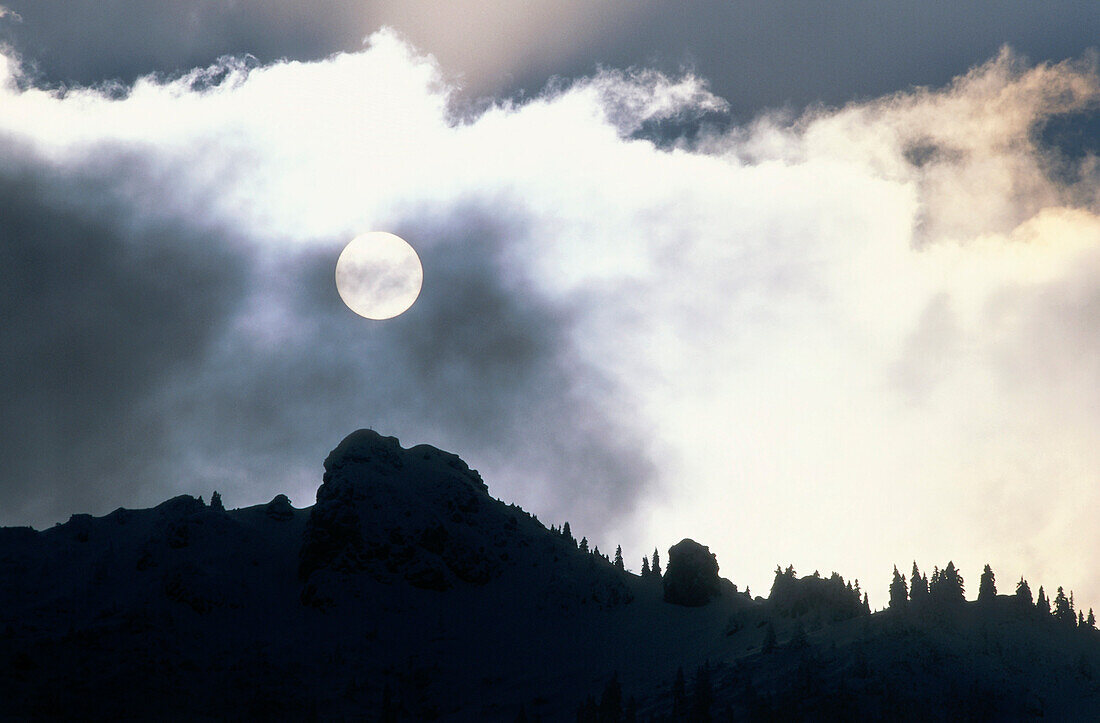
656	563
918	587
899	595
866	604
1080	619
645	566
619	558
1091	619
567	533
1023	592
584	544
947	588
987	586
1041	602
1062	611
596	551
216	502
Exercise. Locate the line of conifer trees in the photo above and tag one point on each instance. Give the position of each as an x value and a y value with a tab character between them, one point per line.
946	588
617	561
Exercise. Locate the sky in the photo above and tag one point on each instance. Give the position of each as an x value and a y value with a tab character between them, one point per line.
812	284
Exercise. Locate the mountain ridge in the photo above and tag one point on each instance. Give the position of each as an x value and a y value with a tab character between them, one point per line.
408	592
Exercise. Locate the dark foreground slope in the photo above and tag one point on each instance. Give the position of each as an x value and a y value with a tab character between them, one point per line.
407	592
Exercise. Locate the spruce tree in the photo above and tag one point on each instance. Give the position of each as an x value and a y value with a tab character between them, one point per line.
645	566
1091	619
1023	592
656	563
216	502
1062	610
584	544
947	587
918	588
899	595
1041	602
619	558
987	586
567	533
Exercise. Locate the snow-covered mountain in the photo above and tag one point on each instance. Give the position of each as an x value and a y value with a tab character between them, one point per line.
408	592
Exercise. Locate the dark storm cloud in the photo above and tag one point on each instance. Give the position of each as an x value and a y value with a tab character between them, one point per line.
762	54
98	308
755	55
478	366
88	41
146	355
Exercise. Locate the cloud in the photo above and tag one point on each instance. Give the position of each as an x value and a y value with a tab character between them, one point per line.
843	338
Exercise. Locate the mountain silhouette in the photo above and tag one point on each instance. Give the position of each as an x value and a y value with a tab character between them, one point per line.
407	592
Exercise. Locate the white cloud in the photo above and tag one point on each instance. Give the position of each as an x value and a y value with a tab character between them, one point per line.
857	337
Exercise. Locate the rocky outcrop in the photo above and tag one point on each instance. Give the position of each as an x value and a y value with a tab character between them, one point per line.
416	514
691	575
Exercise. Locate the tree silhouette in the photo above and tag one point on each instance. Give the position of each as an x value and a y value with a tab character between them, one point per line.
1091	619
584	544
645	566
656	563
619	558
216	502
947	586
899	595
1023	592
918	588
567	533
1062	610
1041	603
987	586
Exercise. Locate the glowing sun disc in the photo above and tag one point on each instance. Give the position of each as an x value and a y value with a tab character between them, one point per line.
379	275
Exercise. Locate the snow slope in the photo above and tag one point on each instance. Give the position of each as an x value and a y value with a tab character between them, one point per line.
408	592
